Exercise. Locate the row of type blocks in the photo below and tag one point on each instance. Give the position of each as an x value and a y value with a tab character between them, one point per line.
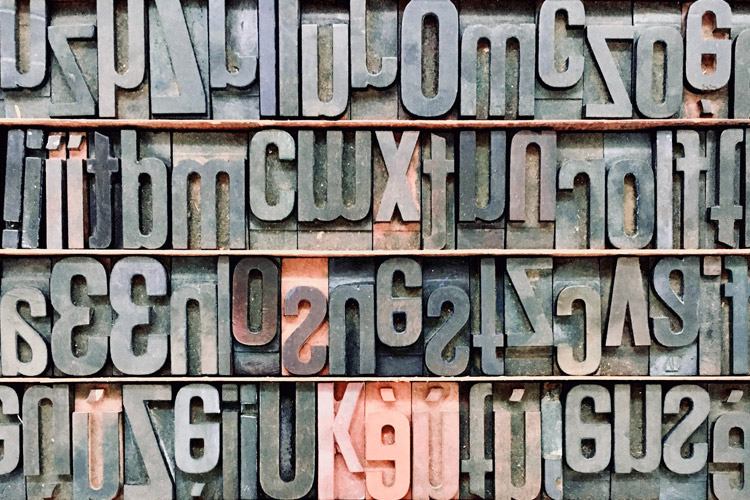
671	316
375	440
359	190
375	59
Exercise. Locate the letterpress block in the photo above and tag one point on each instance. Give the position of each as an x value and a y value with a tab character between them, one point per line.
713	352
373	41
438	193
304	326
341	441
727	420
255	317
139	343
435	417
194	323
740	107
562	51
477	442
12	483
400	346
77	191
15	154
233	53
249	435
74	67
397	191
334	182
637	441
287	415
630	190
46	442
288	57
726	208
351	316
224	316
105	194
233	443
734	316
447	314
148	435
528	316
197	442
533	158
481	190
272	185
97	452
580	211
518	438
674	306
219	161
82	315
588	442
577	323
33	185
388	439
54	182
552	440
25	325
708	58
486	287
178	58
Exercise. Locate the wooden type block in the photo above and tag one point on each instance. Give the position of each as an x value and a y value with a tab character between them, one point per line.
25	326
436	440
219	161
179	58
256	344
46	442
388	412
528	316
12	481
518	438
580	210
81	315
341	441
267	57
438	192
13	188
288	57
351	316
627	339
105	191
233	54
334	182
726	209
33	186
304	325
674	308
197	442
481	190
734	316
577	320
400	346
287	415
74	78
486	285
233	443
249	437
713	351
562	52
552	440
224	316
272	184
76	191
139	342
148	440
533	158
397	191
54	189
447	314
194	323
588	442
477	442
373	42
727	421
97	450
740	107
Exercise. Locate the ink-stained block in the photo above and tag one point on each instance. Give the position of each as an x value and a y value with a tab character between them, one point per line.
487	299
533	158
77	191
518	433
12	481
272	184
25	322
54	187
388	413
233	57
438	192
304	325
351	316
713	350
334	182
341	441
552	440
105	194
481	190
15	154
33	192
396	191
400	345
210	213
528	316
477	441
740	23
435	417
734	313
447	315
727	420
373	43
248	442
725	209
